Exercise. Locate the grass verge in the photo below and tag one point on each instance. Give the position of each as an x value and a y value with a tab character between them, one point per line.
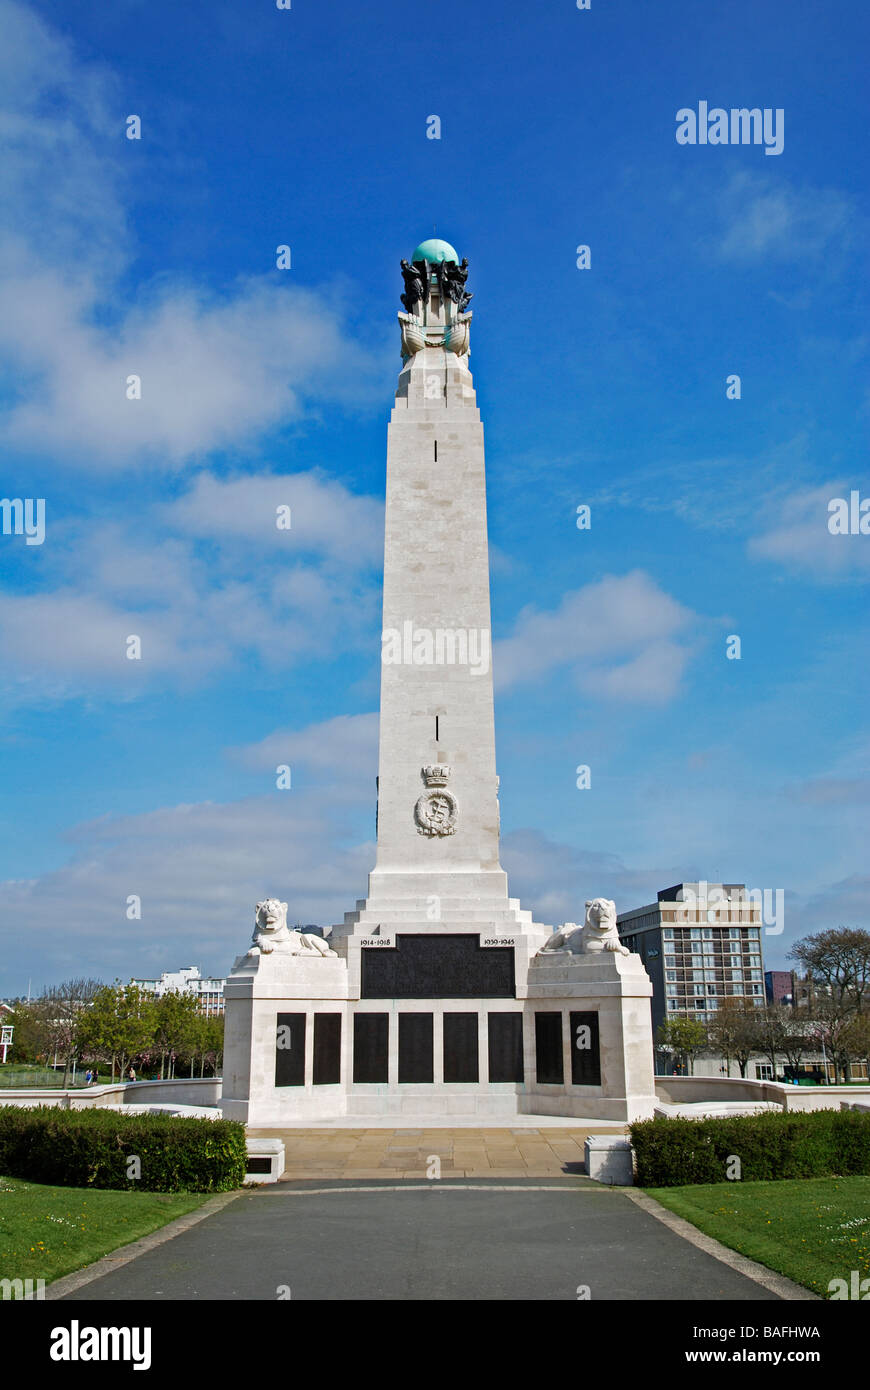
49	1231
812	1230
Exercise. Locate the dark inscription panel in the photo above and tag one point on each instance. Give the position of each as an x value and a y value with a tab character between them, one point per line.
371	1047
327	1049
505	1047
290	1050
548	1045
461	1059
438	967
585	1050
416	1049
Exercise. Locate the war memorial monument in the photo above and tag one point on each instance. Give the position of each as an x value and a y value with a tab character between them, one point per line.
438	996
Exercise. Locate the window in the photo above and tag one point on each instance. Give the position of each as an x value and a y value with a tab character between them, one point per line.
700	1003
755	974
734	931
755	989
668	933
670	989
763	1071
712	989
755	960
670	974
737	975
707	947
695	933
669	948
697	961
737	961
707	933
710	975
672	1004
697	974
752	933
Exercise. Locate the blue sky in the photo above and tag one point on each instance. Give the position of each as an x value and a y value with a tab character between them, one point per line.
607	387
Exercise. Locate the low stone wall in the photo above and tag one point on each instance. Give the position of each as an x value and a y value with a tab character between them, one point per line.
181	1091
688	1090
694	1090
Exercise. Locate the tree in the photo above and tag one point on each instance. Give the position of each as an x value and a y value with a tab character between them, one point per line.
61	1008
748	1036
213	1043
31	1031
685	1036
854	1039
176	1017
779	1032
829	1029
724	1030
840	957
118	1025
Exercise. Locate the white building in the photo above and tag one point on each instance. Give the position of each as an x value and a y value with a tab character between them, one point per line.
209	991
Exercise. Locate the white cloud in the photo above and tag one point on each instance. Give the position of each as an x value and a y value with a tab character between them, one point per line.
214	371
342	752
555	880
763	217
216	368
800	538
325	517
619	634
230	585
199	869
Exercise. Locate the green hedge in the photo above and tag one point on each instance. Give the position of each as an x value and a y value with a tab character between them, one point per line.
815	1144
92	1148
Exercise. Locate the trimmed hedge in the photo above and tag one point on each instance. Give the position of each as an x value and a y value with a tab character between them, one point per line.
815	1144
92	1148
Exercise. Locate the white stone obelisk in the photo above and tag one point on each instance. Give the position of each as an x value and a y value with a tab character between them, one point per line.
438	815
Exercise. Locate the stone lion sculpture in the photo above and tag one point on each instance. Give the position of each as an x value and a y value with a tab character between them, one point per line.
598	932
271	933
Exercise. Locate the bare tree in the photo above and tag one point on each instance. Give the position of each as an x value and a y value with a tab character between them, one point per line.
840	957
61	1007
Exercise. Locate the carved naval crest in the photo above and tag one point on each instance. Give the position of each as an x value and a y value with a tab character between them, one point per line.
437	809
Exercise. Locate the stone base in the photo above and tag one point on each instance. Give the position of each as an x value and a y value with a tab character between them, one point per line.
617	990
607	994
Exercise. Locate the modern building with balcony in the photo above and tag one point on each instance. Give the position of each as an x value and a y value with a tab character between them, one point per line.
700	944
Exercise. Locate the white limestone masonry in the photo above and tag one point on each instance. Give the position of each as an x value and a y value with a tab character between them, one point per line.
437	871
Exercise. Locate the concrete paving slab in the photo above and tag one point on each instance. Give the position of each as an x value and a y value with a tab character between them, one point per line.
411	1242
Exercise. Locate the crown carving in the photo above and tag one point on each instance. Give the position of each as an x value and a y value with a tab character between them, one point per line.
436	774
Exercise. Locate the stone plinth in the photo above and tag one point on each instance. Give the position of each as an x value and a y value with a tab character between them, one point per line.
260	990
617	990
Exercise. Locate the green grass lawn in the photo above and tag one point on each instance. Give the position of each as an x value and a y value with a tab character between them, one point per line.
49	1231
25	1075
812	1230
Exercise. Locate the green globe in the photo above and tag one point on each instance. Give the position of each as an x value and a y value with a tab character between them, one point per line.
435	251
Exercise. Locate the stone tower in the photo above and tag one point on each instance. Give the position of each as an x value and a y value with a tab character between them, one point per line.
434	997
438	818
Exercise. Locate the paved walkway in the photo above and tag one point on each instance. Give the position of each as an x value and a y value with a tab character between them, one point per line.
438	1241
408	1153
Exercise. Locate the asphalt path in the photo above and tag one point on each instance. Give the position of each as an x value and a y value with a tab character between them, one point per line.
486	1240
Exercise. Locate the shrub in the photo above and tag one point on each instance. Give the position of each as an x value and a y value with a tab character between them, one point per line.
817	1144
92	1148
